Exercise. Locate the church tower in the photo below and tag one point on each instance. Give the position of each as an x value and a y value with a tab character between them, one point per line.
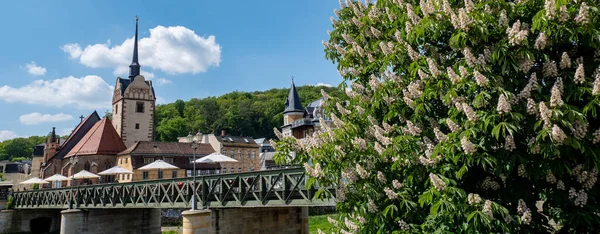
133	103
293	110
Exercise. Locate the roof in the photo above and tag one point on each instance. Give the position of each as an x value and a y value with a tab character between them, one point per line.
267	155
260	140
167	149
125	82
80	131
101	139
310	108
236	141
293	103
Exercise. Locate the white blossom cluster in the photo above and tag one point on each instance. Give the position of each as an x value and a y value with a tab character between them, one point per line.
437	183
381	177
487	209
390	193
509	143
503	105
351	225
583	16
439	135
453	126
556	94
550	7
411	129
549	69
362	173
596	135
316	172
524	212
403	225
521	171
565	61
469	112
541	41
467	146
560	185
558	135
578	198
587	179
580	129
550	178
516	34
396	184
579	74
473	198
488	184
371	206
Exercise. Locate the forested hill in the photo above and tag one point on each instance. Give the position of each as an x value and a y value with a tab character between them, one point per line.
252	114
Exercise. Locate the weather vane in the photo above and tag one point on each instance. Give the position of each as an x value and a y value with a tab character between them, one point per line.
136	18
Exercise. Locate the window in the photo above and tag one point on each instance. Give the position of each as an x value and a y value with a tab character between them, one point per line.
117	109
160	174
137	126
174	174
240	153
169	160
127	176
253	154
126	160
145	175
139	107
86	166
232	170
225	170
232	153
122	177
121	161
188	173
248	169
248	153
148	160
239	169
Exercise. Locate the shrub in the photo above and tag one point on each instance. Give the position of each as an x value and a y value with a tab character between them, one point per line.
463	116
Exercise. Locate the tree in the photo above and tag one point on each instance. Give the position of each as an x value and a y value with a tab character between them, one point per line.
463	117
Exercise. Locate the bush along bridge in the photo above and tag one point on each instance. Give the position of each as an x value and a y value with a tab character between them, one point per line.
251	202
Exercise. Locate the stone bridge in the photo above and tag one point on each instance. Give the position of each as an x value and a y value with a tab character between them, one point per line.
253	202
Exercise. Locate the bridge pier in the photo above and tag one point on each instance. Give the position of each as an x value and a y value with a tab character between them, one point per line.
29	221
247	220
92	221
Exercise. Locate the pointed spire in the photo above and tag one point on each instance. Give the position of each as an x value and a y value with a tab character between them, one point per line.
293	103
53	135
134	68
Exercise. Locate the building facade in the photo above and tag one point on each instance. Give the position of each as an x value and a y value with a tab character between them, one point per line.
14	173
133	103
243	149
299	121
178	154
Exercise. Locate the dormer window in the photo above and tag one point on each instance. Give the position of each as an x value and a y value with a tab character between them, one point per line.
139	107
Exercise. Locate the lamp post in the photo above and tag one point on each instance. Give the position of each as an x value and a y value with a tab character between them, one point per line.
194	144
73	160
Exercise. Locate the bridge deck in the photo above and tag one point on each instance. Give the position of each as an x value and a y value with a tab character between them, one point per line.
285	187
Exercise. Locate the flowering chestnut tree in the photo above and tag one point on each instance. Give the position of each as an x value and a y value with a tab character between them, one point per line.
463	116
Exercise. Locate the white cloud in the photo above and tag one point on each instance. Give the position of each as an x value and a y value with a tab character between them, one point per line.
38	118
163	81
34	69
170	49
65	131
147	75
7	135
88	92
324	84
160	100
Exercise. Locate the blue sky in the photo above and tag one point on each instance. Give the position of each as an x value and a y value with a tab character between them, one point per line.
60	59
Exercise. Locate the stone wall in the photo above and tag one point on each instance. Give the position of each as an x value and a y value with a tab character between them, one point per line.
111	221
12	221
247	220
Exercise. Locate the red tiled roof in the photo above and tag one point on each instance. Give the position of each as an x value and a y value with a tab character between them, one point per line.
76	135
166	148
101	139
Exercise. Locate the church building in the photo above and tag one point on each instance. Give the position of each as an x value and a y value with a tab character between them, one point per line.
97	141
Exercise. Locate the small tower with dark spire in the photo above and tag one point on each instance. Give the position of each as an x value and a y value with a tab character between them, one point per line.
293	109
134	68
52	145
133	103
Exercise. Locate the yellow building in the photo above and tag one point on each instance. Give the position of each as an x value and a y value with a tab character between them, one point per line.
243	149
175	153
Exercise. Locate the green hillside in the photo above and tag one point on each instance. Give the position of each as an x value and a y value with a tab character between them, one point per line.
251	114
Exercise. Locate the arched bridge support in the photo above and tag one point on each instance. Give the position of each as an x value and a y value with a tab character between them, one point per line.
29	221
246	220
74	221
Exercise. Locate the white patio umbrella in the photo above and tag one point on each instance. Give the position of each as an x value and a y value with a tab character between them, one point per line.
115	171
35	180
215	158
83	174
57	177
158	165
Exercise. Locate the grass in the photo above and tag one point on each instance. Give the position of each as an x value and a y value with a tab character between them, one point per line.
319	222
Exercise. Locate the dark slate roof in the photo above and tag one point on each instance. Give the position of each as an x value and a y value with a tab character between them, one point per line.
14	167
82	128
293	103
236	141
125	82
167	149
310	108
